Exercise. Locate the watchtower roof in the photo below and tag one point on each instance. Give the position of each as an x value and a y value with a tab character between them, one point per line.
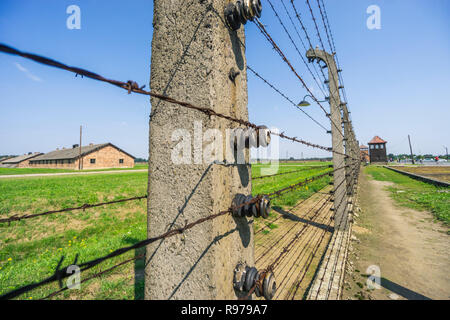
377	139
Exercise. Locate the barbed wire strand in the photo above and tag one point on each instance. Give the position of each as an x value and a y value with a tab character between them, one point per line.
285	97
334	49
295	46
308	264
82	207
323	48
265	33
60	274
276	241
303	43
306	168
290	210
132	86
297	14
303	251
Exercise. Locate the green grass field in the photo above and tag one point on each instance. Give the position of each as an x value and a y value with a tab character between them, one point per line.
415	194
31	249
17	171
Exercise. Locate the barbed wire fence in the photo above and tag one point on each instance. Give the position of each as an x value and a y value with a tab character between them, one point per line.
345	168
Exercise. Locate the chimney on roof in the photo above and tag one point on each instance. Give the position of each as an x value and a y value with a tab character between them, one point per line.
91	144
75	146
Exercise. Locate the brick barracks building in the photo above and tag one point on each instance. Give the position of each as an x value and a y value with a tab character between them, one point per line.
20	161
364	153
93	156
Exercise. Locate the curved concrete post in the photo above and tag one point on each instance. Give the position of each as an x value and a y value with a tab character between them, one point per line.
192	55
339	160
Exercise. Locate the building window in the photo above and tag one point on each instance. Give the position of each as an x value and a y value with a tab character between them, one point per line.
92	161
372	146
377	146
121	161
381	146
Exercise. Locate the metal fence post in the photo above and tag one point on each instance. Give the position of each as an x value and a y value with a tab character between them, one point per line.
194	55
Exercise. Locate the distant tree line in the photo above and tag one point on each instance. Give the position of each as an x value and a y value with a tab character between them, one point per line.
406	156
294	159
7	156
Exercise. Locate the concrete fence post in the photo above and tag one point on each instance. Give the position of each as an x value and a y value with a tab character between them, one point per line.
339	158
348	145
193	56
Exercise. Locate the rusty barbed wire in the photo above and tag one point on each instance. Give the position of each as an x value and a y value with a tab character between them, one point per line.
292	208
296	238
311	46
263	30
279	193
297	14
306	268
132	86
88	206
276	241
271	85
60	274
301	277
285	97
310	237
334	49
293	171
265	33
289	246
82	207
325	26
285	250
304	46
293	43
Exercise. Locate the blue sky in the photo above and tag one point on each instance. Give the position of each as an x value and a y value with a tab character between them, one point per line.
397	78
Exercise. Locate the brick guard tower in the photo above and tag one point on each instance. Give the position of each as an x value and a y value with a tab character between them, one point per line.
377	149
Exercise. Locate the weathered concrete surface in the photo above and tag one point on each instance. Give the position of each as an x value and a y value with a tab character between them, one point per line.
192	54
339	161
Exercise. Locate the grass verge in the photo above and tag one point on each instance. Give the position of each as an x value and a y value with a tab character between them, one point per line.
415	194
31	249
18	171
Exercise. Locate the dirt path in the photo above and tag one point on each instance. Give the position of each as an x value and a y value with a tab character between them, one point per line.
411	251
